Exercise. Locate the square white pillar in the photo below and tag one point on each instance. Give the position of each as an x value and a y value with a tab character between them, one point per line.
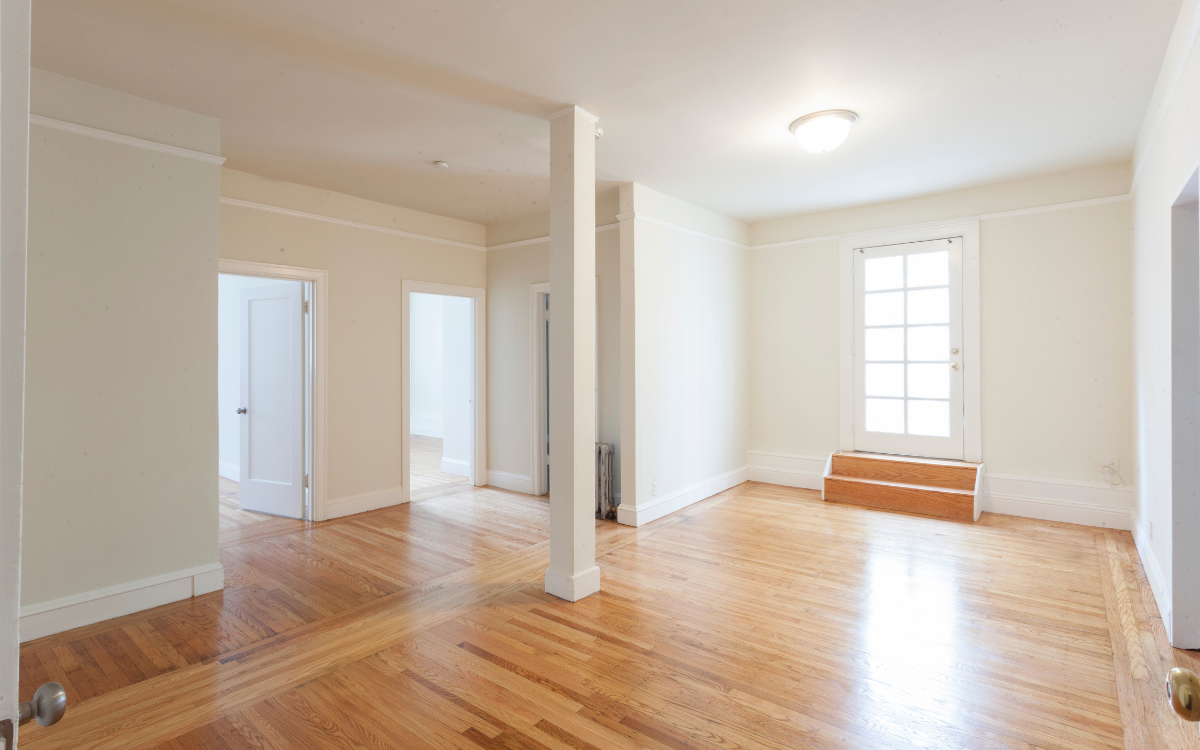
572	574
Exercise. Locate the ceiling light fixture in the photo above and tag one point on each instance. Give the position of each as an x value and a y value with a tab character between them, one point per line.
440	165
823	131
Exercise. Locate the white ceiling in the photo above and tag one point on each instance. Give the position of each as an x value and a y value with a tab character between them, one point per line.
695	96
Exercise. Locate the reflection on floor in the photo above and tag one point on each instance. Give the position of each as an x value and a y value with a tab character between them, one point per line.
239	526
427	464
759	618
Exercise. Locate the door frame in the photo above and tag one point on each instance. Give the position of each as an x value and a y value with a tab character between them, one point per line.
537	364
972	408
479	472
317	406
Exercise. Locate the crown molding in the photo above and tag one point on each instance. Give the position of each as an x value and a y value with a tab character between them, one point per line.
127	140
346	223
979	217
536	240
681	228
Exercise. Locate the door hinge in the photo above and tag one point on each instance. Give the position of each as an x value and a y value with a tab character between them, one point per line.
306	307
306	480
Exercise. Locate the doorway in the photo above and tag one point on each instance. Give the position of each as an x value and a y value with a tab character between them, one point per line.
910	342
440	376
444	402
264	393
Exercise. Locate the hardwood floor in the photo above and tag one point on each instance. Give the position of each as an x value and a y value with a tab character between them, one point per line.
427	471
760	618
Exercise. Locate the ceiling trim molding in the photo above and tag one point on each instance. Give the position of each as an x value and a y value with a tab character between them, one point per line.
536	240
127	140
681	228
979	217
1188	44
346	223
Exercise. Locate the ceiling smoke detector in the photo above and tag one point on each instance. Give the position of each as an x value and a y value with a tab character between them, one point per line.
823	131
440	165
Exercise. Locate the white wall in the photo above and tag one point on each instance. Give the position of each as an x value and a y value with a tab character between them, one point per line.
1055	330
425	378
229	369
511	273
1167	154
366	270
458	374
120	425
684	353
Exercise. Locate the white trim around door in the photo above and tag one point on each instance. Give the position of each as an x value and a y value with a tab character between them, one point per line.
478	296
318	406
971	360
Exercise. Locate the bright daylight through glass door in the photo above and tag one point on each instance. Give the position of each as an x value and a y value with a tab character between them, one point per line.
908	349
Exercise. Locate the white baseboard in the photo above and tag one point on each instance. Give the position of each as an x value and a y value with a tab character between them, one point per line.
1154	574
1085	503
573	587
660	506
426	427
506	481
348	506
230	471
59	615
785	469
456	467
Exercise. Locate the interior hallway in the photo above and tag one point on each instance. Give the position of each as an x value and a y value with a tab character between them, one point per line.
761	617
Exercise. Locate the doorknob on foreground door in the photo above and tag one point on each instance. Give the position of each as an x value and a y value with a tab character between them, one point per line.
241	410
1183	692
48	705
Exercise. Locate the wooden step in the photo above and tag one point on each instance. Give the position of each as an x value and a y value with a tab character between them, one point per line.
930	487
927	472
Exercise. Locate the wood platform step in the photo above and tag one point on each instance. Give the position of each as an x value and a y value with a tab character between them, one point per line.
932	487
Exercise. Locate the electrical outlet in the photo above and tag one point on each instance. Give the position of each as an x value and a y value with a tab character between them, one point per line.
654	489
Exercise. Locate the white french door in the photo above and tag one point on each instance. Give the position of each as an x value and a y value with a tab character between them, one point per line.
908	349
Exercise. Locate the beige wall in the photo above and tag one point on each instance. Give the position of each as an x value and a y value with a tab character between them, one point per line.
366	269
511	272
684	355
1167	154
120	419
1055	306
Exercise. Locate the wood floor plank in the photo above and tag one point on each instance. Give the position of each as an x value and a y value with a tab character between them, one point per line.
759	618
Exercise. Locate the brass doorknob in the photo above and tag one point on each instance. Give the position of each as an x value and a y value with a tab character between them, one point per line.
1183	690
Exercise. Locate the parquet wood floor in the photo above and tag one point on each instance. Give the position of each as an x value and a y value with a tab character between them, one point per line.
760	618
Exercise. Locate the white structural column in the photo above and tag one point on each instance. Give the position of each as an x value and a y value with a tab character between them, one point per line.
572	574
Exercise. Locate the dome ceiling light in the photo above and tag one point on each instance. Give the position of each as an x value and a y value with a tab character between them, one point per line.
823	131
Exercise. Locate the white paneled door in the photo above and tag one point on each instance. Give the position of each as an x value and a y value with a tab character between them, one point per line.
272	459
908	349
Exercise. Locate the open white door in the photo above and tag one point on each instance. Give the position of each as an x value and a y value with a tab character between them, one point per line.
272	461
